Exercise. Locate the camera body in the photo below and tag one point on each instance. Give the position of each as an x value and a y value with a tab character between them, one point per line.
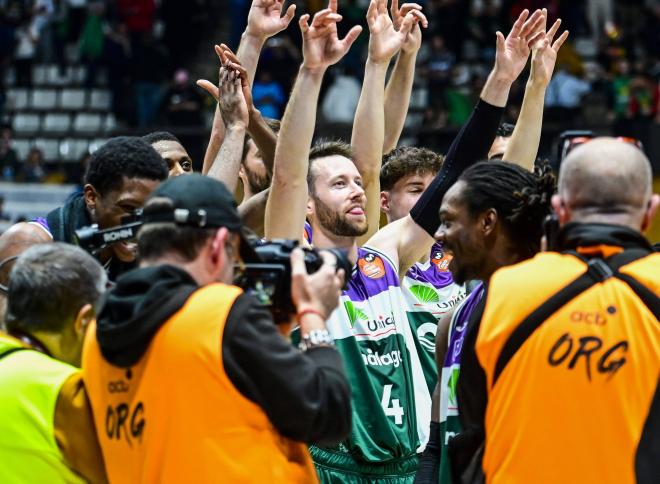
268	279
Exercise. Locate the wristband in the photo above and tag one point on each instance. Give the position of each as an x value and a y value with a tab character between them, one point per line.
309	311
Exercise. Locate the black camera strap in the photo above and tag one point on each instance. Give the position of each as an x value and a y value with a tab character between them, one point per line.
598	270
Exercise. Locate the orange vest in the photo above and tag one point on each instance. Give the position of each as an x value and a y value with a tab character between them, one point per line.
572	403
176	417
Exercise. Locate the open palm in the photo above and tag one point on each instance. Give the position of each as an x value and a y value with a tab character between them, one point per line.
384	40
321	45
544	54
413	40
513	52
265	17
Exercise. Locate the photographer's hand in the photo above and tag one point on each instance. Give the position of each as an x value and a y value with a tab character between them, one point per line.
315	295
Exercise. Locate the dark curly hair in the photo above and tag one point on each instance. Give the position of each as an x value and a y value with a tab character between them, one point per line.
408	160
157	136
520	197
125	156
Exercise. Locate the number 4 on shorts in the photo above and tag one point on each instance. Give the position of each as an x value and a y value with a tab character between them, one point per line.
395	410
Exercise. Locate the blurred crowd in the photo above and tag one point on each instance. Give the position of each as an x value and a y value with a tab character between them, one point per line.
136	47
149	52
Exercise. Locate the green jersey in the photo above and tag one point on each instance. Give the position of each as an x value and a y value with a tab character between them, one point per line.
382	363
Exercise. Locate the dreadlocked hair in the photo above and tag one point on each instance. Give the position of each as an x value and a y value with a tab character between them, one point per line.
520	197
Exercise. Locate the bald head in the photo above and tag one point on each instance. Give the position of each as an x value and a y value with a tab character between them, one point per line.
16	240
607	181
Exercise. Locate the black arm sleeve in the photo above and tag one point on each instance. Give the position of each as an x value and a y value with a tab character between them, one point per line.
470	145
305	395
428	469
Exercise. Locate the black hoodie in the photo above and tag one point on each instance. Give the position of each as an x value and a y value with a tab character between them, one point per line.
305	395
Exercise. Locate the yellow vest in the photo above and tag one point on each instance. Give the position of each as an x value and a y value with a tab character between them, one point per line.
176	417
30	384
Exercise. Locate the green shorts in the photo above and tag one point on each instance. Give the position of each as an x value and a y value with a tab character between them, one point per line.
339	468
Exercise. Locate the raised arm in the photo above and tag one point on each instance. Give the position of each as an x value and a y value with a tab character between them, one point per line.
264	137
399	87
234	111
523	147
407	239
369	123
286	207
264	20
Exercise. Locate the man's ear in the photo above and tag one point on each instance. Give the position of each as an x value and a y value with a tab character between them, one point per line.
85	316
385	202
91	196
488	221
218	256
310	206
650	211
560	208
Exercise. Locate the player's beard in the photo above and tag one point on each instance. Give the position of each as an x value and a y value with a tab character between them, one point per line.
258	183
337	223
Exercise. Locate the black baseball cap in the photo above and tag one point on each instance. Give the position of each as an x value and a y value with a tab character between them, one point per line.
199	201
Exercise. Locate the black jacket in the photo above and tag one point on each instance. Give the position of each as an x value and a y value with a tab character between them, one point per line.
305	395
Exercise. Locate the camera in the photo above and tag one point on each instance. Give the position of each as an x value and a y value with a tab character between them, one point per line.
268	278
94	240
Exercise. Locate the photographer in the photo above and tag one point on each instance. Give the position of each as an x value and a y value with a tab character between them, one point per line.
121	174
189	377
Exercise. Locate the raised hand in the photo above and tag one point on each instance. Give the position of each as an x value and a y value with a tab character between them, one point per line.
265	18
544	54
384	40
413	40
229	61
233	108
512	52
321	45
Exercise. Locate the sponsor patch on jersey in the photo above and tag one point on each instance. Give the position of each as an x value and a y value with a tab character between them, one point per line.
441	260
372	266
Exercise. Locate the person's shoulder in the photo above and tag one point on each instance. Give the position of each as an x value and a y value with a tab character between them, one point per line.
542	269
646	270
531	282
24	234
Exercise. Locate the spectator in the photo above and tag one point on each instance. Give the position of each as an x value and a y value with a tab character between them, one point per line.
268	96
91	42
138	15
117	56
620	93
564	95
33	168
150	62
183	103
341	99
4	216
9	165
27	36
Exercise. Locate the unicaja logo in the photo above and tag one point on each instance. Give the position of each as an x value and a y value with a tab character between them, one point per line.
424	294
354	314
